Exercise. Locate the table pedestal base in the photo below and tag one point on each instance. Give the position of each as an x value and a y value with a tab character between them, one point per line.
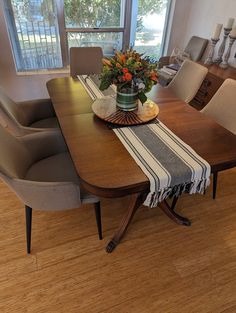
135	202
164	206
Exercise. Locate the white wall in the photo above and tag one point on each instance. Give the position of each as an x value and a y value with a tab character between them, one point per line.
199	17
179	24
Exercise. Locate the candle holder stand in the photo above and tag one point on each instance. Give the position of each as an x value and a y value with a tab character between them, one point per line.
224	63
209	59
221	50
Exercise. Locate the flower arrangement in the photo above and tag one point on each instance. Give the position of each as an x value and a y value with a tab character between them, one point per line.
129	70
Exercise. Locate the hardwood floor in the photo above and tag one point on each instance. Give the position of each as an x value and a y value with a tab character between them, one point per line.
159	267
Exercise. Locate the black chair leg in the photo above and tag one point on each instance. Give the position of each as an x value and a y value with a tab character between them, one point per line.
28	221
98	219
215	176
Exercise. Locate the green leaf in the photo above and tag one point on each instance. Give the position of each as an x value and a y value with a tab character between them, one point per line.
104	85
142	97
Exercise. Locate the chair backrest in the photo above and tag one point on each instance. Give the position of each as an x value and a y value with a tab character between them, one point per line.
196	47
188	79
85	60
14	156
222	107
11	116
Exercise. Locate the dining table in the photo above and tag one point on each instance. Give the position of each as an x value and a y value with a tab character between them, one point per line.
106	168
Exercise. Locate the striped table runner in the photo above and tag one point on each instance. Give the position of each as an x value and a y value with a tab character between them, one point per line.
171	166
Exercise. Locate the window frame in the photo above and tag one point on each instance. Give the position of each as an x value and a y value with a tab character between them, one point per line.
128	30
63	30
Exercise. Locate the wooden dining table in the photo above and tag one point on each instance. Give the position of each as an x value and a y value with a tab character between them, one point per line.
105	166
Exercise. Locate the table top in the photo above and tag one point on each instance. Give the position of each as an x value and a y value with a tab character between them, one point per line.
103	163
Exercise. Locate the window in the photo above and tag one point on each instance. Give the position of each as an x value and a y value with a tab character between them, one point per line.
42	31
95	23
150	27
34	33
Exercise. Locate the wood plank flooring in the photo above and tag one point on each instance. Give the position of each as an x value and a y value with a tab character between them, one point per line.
159	267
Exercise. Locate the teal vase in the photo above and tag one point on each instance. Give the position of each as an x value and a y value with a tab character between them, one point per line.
127	98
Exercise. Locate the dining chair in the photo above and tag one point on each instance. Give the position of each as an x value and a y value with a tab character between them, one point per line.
26	117
188	79
38	168
222	108
195	48
85	60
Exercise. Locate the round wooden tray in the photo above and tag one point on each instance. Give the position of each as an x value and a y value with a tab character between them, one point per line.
105	108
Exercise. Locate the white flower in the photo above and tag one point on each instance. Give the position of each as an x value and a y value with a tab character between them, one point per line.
141	86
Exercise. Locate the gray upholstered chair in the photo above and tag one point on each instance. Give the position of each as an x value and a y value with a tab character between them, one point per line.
26	117
194	49
222	108
85	60
188	79
38	168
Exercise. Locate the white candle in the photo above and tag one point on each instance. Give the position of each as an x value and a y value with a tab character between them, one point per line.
230	23
233	32
217	31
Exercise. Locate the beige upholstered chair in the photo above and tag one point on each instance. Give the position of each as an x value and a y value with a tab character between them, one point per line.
85	60
222	108
188	79
26	117
39	170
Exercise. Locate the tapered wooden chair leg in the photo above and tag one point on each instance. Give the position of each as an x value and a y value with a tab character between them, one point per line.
28	221
98	219
215	176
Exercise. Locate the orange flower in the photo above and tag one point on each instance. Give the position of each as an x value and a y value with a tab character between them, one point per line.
153	77
125	70
128	76
106	62
122	58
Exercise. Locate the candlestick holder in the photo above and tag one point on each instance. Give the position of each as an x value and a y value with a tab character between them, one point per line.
221	50
209	59
224	63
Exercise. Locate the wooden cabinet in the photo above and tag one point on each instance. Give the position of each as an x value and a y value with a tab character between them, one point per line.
211	84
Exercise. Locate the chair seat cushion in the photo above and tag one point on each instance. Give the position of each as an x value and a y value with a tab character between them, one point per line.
58	168
51	122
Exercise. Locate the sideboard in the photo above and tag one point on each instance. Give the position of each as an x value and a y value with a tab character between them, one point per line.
211	84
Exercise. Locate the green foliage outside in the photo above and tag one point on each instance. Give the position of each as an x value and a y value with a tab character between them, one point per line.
96	13
87	13
146	7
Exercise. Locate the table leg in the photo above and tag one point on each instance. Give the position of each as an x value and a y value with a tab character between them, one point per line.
169	211
135	202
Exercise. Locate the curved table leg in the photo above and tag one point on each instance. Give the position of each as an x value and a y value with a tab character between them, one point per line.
173	204
135	202
169	211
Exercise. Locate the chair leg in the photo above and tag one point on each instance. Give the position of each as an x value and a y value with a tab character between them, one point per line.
98	218
28	221
215	176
